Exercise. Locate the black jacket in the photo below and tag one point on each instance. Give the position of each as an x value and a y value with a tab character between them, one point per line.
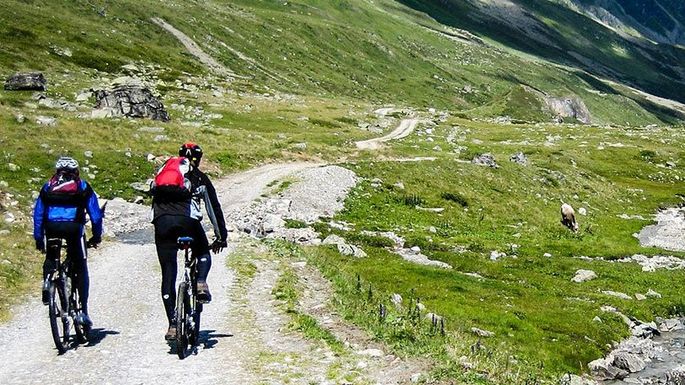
190	206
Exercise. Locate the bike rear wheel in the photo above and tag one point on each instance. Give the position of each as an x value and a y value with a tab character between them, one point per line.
60	322
195	335
182	312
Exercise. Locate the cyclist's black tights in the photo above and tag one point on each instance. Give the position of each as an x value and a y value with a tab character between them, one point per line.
72	233
168	228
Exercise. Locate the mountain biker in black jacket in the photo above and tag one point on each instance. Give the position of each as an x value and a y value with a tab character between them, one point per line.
174	217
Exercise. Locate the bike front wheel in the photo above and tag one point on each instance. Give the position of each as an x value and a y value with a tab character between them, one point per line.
182	310
60	322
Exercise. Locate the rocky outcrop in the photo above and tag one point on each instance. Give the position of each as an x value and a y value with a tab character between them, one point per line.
569	107
486	159
32	81
583	275
133	101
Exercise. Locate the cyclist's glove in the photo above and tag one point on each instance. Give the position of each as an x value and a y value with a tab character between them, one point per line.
93	242
40	245
218	245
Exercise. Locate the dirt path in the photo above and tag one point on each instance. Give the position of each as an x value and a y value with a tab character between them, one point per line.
403	130
195	49
129	323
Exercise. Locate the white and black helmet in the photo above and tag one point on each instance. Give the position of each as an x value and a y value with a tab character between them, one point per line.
66	163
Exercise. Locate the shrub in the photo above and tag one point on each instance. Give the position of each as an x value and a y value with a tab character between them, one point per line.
455	197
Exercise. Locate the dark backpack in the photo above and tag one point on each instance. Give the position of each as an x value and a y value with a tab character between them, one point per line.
171	180
64	186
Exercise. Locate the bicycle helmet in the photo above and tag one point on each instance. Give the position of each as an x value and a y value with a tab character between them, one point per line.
191	151
66	163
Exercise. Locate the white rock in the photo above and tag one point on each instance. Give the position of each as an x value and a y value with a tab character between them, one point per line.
629	362
583	276
653	294
616	294
396	299
547	255
597	319
12	167
46	121
88	154
150	158
640	297
582	211
481	332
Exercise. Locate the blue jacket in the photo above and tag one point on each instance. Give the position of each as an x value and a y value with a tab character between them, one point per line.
67	210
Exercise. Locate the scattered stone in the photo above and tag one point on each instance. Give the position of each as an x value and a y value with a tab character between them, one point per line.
161	138
495	255
548	255
84	96
140	186
616	294
20	118
481	332
9	218
653	294
46	121
583	276
88	154
519	158
582	211
629	362
396	299
132	101
572	379
676	376
486	159
603	369
656	262
597	319
413	256
376	353
12	167
640	297
300	146
670	325
32	81
399	185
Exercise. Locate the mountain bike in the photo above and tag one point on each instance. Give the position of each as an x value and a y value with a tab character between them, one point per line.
64	306
188	309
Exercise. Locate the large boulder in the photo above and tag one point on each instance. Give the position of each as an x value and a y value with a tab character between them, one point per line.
571	107
31	81
133	101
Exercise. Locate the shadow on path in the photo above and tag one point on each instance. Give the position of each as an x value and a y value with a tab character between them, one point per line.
97	335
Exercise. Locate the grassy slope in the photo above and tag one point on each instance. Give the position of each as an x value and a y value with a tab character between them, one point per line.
541	317
340	59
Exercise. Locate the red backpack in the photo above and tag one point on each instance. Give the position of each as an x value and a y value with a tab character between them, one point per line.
171	179
64	183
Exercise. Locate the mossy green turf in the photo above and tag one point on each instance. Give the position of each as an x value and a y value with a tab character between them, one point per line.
526	298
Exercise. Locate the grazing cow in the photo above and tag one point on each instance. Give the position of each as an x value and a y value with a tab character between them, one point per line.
568	217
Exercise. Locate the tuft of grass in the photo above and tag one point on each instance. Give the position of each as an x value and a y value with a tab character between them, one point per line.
455	197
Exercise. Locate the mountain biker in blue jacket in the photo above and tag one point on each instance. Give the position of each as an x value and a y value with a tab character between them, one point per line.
60	212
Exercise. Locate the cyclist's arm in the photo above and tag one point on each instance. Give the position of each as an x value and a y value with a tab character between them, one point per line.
38	217
94	212
213	207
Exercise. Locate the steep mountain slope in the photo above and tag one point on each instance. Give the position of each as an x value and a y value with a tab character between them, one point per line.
660	20
562	35
376	51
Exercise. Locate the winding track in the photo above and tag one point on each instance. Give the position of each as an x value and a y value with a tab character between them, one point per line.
405	128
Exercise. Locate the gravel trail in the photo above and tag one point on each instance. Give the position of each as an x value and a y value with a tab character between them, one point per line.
129	322
195	49
405	128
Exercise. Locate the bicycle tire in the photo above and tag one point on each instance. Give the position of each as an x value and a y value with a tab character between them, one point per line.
182	320
195	336
59	318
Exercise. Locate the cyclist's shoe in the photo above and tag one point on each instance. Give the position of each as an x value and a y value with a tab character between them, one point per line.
203	294
45	296
171	333
83	320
